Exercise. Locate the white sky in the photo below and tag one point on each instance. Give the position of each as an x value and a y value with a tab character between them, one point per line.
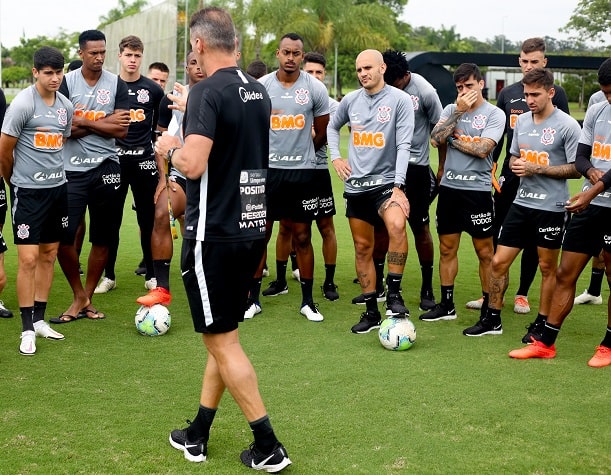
516	19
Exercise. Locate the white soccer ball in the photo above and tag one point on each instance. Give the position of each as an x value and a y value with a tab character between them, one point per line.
153	321
397	333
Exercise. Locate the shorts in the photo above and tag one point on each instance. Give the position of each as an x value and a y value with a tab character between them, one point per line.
40	215
97	190
524	226
465	210
3	247
3	202
502	201
292	195
420	185
207	268
366	206
326	201
589	231
180	180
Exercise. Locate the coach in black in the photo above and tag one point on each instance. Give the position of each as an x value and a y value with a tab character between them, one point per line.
224	158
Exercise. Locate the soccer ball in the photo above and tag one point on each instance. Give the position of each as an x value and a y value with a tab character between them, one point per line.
397	333
153	321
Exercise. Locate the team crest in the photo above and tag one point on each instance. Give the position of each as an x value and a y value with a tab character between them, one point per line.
62	117
416	101
103	97
479	122
548	136
23	231
302	96
143	96
383	114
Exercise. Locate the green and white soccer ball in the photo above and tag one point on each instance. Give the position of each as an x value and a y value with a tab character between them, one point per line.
397	333
153	321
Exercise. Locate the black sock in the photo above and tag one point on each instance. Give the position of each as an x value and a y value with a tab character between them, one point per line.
596	282
484	308
161	268
262	430
293	256
255	289
447	296
393	281
550	333
607	339
379	265
371	302
493	314
306	291
27	318
39	311
426	269
528	269
200	427
541	318
281	271
329	273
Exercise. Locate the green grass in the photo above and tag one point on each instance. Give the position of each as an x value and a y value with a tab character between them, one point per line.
104	400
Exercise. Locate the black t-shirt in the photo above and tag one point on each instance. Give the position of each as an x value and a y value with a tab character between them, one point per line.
165	113
144	98
227	203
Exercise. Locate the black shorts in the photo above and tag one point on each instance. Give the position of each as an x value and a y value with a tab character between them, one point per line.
3	202
509	183
40	215
207	268
465	210
366	206
182	181
293	195
3	247
524	226
589	231
326	202
419	188
97	190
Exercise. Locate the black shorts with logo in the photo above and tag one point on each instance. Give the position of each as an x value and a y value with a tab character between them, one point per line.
465	210
524	226
97	190
589	231
366	205
420	184
40	215
292	195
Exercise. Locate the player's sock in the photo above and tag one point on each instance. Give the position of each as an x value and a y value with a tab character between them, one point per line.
27	322
393	281
200	427
262	430
607	339
371	303
550	333
306	291
161	268
281	271
426	269
255	289
379	265
596	282
329	273
528	269
447	296
39	311
484	308
293	256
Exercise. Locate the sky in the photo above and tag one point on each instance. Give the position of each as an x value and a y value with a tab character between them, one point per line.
516	19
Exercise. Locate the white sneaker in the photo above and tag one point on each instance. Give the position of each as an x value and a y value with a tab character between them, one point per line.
105	286
27	346
475	304
520	304
150	284
265	272
587	298
42	329
296	275
5	312
254	309
310	311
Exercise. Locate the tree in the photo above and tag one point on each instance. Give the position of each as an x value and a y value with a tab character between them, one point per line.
591	20
22	55
14	75
121	11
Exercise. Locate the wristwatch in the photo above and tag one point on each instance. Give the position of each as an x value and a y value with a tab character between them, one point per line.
170	153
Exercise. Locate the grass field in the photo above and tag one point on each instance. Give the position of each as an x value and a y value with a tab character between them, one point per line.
104	400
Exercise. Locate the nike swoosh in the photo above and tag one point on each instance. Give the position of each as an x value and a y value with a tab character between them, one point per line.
486	229
184	272
259	466
191	446
117	187
36	116
153	173
511	101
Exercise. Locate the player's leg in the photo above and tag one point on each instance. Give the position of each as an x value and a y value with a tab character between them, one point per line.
593	295
395	222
